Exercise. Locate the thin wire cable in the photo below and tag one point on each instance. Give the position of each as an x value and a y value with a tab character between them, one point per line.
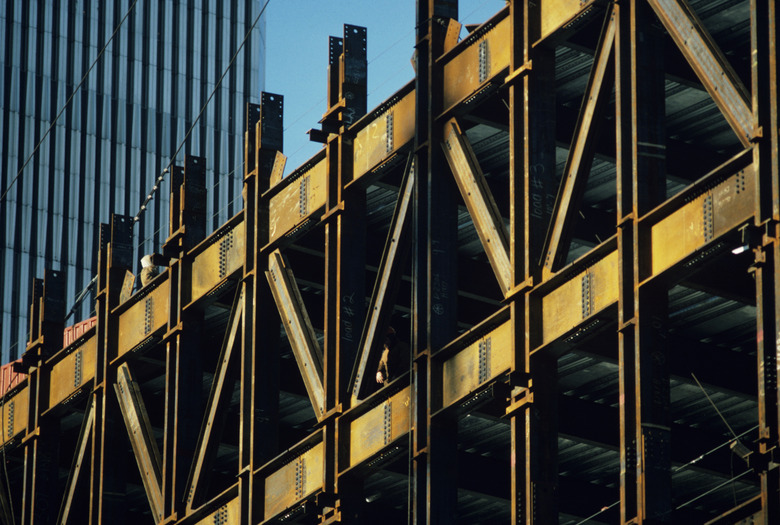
713	489
305	113
67	102
605	509
391	46
200	113
80	297
476	9
699	458
713	405
681	467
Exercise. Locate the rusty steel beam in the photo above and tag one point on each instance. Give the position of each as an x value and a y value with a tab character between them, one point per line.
300	332
479	201
216	407
387	280
709	63
580	158
85	436
147	455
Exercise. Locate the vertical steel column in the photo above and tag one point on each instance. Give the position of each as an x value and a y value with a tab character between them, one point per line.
763	33
107	473
765	270
519	379
259	406
540	185
41	447
533	403
763	44
345	235
434	301
184	367
345	225
645	453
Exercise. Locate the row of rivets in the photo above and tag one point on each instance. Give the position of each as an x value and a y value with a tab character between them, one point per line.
303	197
484	359
224	247
388	423
77	369
148	315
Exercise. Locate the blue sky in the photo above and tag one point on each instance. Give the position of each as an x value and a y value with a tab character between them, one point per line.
297	55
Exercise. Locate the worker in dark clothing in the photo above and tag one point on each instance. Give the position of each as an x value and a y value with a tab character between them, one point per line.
393	362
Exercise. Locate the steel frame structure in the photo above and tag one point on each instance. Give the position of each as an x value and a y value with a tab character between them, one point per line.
143	408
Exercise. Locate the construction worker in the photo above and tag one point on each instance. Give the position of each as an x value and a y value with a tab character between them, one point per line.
393	362
150	267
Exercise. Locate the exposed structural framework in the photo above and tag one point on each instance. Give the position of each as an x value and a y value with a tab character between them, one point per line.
569	219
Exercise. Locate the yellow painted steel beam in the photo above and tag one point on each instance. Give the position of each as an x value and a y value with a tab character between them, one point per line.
702	220
479	201
297	202
474	65
580	157
222	258
560	14
477	364
389	273
296	480
378	428
709	63
139	430
581	296
147	314
230	512
15	414
383	136
298	327
72	372
277	169
698	218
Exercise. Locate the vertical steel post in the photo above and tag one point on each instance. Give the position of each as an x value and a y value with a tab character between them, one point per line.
434	302
345	235
534	387
41	448
184	367
765	270
518	253
259	405
763	45
645	453
107	472
763	40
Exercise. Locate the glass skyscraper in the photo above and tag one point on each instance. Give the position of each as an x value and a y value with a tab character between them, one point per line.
118	132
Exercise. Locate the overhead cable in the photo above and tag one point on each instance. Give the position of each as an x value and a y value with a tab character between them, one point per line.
67	102
184	141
